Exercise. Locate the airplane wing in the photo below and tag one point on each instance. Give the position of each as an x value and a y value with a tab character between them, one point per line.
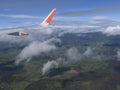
20	30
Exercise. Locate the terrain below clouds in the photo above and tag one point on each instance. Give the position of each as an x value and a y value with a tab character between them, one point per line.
68	52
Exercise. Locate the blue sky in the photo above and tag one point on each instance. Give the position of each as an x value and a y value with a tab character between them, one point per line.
15	12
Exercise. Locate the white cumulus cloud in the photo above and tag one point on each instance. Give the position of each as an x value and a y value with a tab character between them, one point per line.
36	48
47	66
112	30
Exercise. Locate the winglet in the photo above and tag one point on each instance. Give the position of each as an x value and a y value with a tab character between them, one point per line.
48	19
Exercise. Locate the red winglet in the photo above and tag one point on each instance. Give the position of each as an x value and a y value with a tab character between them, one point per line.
49	17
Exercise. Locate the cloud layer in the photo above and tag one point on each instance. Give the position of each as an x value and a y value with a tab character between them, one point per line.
43	36
19	16
93	11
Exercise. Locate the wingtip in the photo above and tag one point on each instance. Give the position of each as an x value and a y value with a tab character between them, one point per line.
49	17
55	9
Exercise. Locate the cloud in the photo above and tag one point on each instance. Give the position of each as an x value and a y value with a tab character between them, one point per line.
19	16
73	55
100	17
118	55
88	52
47	66
35	49
112	30
78	27
13	39
93	11
7	9
8	41
96	24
